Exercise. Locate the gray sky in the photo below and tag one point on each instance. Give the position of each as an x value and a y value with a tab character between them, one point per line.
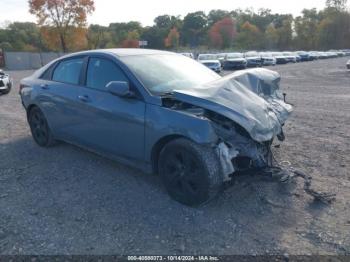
145	11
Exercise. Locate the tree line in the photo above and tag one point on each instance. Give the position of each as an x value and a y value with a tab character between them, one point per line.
62	27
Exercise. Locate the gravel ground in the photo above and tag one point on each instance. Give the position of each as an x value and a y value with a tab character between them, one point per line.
65	200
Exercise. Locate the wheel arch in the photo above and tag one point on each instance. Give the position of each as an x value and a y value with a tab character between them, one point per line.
158	146
29	108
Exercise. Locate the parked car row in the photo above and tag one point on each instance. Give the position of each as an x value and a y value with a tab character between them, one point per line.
236	61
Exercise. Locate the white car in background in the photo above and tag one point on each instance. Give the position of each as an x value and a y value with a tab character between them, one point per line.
267	58
5	83
210	61
290	57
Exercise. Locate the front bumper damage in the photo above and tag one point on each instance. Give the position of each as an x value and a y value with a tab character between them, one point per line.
238	152
247	112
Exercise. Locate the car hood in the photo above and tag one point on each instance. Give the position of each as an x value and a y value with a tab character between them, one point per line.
251	98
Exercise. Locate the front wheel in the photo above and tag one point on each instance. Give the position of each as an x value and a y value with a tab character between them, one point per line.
39	128
190	172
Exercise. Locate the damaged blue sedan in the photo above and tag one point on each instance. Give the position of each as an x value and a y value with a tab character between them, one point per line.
161	112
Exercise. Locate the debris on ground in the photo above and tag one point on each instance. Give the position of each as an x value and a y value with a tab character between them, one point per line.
286	174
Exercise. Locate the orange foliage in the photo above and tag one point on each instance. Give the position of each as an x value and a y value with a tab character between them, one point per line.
132	40
76	38
222	33
172	40
130	43
59	17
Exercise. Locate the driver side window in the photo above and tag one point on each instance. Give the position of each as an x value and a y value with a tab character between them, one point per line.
102	71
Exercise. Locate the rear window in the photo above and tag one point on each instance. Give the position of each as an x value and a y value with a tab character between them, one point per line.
68	71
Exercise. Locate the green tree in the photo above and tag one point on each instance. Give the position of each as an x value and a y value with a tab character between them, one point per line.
306	29
120	31
285	34
217	15
98	37
194	28
23	36
154	36
271	38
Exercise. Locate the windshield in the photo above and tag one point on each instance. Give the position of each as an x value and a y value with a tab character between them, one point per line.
235	55
207	57
164	73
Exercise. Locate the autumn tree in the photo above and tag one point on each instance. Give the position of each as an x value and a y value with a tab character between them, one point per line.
132	40
249	36
62	15
172	40
217	15
222	33
76	38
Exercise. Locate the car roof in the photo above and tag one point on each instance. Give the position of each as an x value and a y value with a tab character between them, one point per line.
124	52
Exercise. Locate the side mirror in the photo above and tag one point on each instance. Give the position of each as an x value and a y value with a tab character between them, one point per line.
120	88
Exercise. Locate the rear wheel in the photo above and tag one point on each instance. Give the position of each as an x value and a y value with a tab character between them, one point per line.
190	172
39	128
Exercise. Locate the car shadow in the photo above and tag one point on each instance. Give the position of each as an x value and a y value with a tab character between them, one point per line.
67	200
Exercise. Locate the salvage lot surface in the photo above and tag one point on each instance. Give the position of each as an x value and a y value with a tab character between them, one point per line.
65	200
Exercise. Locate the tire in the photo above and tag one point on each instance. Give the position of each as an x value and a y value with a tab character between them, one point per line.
39	128
191	173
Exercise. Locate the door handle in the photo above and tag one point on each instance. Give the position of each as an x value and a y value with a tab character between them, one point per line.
44	86
84	98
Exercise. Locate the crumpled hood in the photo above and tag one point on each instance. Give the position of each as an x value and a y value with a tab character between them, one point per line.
250	98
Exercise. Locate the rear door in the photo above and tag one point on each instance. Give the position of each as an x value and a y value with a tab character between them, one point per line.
108	123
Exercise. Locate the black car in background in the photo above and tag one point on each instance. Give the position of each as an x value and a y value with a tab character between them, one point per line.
253	59
234	61
280	58
304	56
